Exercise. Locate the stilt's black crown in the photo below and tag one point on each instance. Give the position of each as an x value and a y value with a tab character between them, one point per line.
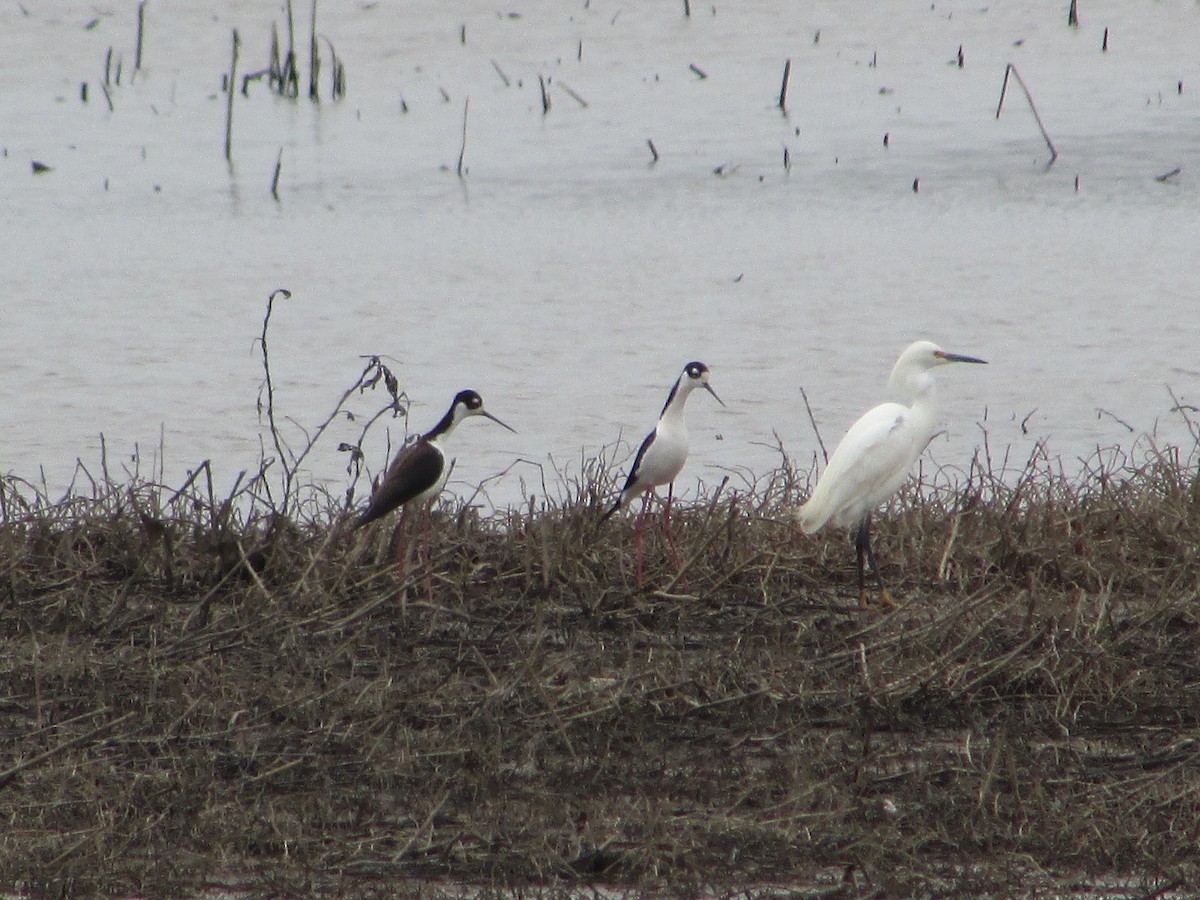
469	399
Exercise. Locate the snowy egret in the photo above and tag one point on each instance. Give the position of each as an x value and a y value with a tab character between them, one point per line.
873	459
661	457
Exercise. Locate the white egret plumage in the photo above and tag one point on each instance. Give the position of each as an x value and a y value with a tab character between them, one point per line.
874	457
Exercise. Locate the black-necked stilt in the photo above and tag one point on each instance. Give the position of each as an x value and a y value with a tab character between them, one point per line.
419	471
664	451
873	459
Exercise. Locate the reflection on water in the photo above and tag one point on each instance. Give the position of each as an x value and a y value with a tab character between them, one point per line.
566	277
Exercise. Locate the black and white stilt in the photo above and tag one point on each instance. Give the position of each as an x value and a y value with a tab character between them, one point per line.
661	456
419	471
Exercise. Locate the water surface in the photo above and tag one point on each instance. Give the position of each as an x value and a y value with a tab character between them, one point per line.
566	277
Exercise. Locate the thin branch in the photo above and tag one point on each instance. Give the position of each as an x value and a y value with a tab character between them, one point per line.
813	421
1010	68
462	150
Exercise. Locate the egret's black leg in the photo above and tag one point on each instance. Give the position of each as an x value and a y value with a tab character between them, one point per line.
862	547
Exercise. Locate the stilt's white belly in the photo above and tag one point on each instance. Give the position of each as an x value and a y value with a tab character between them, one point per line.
665	458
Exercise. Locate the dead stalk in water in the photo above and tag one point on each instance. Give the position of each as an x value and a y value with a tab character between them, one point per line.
141	24
1011	69
229	90
500	72
275	177
314	61
462	151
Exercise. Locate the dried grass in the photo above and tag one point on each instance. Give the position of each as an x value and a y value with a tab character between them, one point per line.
199	697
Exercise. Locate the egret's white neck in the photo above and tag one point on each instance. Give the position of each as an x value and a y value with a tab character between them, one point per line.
910	386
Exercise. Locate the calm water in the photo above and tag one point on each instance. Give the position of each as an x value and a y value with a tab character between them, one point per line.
565	277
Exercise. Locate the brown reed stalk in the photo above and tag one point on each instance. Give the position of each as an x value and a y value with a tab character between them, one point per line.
229	91
462	150
1011	69
314	59
275	176
141	25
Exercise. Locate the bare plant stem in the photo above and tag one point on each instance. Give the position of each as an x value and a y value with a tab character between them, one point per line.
500	72
314	62
813	421
275	178
137	59
574	95
270	389
230	91
787	71
462	151
1010	68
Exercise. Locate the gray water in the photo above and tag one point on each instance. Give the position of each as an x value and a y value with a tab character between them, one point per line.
565	276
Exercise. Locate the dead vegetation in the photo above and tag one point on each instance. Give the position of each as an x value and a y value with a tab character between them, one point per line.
200	698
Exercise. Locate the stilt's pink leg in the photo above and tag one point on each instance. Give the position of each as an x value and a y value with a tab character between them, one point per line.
637	537
425	563
400	551
667	526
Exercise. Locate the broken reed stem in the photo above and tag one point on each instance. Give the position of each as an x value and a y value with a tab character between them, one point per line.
230	91
289	85
1010	68
653	150
574	96
275	178
314	62
500	72
787	71
545	96
137	58
270	388
813	421
462	150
